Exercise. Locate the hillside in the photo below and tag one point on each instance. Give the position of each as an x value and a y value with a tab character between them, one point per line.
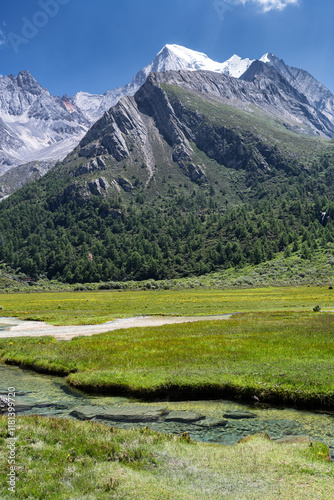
196	172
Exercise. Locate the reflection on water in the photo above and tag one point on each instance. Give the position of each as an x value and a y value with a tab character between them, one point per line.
49	395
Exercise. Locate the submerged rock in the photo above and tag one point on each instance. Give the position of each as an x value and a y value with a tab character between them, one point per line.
212	422
119	414
183	416
287	426
20	405
132	414
239	415
84	412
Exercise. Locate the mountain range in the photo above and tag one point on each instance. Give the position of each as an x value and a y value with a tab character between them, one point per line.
37	129
197	171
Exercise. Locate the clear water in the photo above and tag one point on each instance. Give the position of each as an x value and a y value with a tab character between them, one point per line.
51	396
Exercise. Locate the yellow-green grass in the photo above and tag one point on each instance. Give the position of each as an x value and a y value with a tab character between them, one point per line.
277	357
66	460
75	308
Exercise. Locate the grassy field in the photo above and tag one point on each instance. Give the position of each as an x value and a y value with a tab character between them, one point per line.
66	460
92	307
276	356
277	349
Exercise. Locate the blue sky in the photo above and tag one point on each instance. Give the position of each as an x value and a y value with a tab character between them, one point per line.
72	45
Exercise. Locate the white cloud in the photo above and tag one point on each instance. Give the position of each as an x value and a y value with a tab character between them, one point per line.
223	6
267	5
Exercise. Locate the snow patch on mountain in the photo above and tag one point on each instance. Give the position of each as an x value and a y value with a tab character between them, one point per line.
266	58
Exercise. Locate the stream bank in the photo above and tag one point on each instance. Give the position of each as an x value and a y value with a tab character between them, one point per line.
218	421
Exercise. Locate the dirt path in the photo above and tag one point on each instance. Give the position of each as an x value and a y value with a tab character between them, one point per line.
18	328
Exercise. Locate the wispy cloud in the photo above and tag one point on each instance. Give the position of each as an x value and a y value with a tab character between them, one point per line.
223	6
267	5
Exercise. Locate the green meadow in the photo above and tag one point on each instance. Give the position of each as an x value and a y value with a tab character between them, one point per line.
92	307
278	357
68	460
277	349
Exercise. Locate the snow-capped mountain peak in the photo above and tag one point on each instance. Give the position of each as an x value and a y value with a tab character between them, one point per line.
34	124
172	57
26	81
175	57
268	58
236	66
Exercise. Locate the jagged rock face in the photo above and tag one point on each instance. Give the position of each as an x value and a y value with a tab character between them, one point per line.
317	94
151	114
139	120
93	165
81	192
125	184
259	86
124	118
288	98
18	94
34	125
98	187
19	175
180	126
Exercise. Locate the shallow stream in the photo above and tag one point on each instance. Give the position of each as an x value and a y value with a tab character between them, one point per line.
39	394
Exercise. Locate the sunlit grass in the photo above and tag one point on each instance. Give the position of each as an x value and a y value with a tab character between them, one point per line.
75	308
275	356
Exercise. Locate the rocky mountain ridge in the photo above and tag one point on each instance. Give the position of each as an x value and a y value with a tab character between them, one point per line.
36	126
159	113
170	58
317	94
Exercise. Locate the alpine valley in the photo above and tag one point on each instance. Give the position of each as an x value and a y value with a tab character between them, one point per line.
194	166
